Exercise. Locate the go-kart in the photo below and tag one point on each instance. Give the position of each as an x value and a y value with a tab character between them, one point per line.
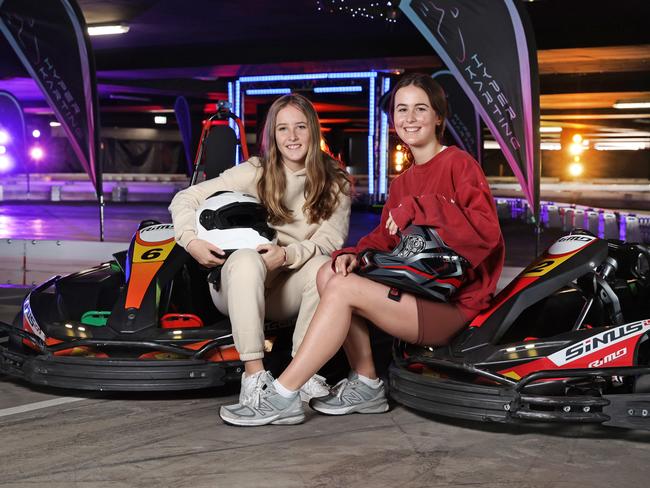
143	321
566	340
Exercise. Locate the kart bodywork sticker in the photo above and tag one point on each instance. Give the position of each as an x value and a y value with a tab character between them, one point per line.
598	342
29	321
149	255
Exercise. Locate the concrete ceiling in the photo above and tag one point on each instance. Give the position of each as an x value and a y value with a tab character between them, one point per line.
591	54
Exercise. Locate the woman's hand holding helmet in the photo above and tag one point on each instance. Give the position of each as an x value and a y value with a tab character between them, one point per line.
206	253
273	256
345	263
391	225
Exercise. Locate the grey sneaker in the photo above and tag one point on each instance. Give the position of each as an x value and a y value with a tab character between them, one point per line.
248	386
316	387
351	395
266	406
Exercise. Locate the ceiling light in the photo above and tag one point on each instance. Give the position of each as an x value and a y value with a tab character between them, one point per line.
550	129
107	30
629	104
55	124
621	146
544	146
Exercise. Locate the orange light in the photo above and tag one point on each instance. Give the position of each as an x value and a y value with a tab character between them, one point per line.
576	149
577	138
576	169
399	158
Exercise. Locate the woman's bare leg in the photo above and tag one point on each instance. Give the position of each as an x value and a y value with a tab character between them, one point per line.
342	297
325	273
357	343
357	348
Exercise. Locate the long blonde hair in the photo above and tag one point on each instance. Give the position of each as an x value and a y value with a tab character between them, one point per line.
325	176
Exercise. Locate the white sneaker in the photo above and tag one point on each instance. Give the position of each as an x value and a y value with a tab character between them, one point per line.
352	395
266	406
248	385
316	387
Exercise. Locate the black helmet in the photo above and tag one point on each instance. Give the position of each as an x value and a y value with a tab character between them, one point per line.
421	264
233	220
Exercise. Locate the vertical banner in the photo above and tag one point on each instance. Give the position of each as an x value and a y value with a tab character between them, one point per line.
184	119
12	125
51	40
489	47
463	121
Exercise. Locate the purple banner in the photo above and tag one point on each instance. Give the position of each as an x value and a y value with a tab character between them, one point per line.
489	48
184	119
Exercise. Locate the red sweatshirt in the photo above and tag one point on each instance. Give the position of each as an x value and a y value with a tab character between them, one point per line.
451	194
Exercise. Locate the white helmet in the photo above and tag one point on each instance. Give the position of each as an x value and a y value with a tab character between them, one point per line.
233	220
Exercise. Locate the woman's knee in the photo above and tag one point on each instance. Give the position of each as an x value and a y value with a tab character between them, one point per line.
244	262
324	275
339	289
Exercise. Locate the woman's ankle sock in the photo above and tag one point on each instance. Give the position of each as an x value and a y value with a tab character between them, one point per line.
283	391
371	382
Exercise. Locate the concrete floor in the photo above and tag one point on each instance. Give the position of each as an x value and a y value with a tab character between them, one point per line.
59	439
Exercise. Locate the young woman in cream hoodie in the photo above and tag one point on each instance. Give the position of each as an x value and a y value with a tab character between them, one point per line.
307	196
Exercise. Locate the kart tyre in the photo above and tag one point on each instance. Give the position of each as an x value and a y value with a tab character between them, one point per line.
642	384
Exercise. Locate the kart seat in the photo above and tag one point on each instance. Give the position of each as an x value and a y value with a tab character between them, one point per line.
220	150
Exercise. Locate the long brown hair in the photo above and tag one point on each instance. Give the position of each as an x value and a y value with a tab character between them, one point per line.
325	176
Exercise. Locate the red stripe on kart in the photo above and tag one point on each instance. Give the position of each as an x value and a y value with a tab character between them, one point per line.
509	291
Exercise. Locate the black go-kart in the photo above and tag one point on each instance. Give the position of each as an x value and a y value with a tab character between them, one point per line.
143	321
566	340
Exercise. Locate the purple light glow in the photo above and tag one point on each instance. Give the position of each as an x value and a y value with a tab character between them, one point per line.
36	153
4	137
36	133
5	163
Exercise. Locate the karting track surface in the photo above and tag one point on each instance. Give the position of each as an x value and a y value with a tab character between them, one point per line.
60	438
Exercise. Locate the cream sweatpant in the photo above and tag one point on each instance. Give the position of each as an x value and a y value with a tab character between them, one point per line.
248	294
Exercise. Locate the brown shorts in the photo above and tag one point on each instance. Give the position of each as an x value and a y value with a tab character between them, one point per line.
438	322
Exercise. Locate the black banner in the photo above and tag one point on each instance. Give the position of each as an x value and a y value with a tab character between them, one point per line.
489	47
463	121
51	41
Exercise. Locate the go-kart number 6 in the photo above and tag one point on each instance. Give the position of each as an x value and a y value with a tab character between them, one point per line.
152	253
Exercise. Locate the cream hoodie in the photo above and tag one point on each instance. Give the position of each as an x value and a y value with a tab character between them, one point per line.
301	239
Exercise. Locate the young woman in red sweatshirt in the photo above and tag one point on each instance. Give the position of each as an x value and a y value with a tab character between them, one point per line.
444	188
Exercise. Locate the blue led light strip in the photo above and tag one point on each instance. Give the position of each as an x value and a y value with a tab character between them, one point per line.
371	138
237	108
231	101
383	144
308	76
338	89
268	91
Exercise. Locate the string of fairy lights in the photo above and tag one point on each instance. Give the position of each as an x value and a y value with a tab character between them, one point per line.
380	10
